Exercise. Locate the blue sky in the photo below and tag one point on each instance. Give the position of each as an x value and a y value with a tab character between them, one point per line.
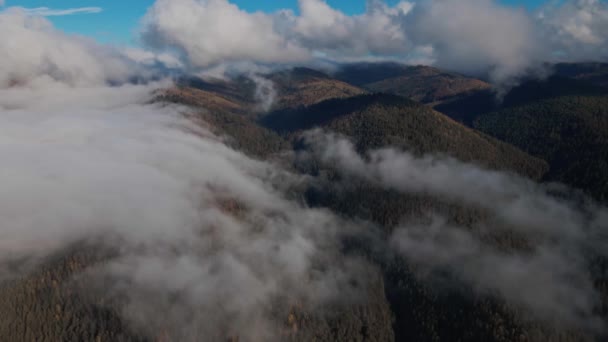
118	21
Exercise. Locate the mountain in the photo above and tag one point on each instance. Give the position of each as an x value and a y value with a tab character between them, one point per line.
549	130
423	311
303	87
421	83
569	132
361	74
48	304
229	107
227	117
382	120
379	120
594	73
213	101
561	120
465	109
289	88
58	301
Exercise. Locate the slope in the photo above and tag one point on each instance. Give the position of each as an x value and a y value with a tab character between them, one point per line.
58	301
424	311
421	83
570	132
380	120
304	87
561	120
595	73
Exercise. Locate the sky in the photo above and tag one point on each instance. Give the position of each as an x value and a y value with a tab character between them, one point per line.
118	21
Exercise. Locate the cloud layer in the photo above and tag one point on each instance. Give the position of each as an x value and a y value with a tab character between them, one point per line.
200	232
550	278
33	51
200	229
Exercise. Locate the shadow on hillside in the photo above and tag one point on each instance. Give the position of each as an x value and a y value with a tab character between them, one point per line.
467	108
302	118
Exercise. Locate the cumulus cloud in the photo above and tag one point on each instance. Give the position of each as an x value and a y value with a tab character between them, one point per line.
482	37
507	43
550	277
576	29
322	28
208	32
33	51
212	31
475	36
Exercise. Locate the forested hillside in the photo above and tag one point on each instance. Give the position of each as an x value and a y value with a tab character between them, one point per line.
420	83
551	130
569	132
379	120
561	120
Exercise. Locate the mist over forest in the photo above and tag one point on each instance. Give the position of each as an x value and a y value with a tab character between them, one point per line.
431	170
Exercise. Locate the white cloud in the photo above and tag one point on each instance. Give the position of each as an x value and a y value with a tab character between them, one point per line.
477	35
212	31
549	277
377	31
204	234
470	36
208	32
191	217
32	50
50	12
150	58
